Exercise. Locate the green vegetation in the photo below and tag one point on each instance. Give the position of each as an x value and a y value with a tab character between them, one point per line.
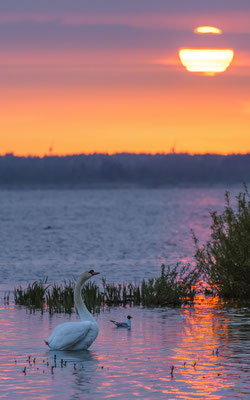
175	286
33	296
56	298
225	259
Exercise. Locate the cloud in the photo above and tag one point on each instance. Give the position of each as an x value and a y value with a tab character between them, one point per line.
237	22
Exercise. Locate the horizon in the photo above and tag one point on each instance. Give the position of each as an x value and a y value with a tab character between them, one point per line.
120	153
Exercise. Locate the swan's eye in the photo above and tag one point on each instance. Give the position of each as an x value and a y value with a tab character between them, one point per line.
91	271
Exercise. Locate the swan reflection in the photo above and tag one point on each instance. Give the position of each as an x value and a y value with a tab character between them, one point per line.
72	357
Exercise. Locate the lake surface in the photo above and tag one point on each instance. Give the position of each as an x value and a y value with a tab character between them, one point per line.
134	364
126	235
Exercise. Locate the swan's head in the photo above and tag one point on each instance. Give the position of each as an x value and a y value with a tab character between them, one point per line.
129	317
87	275
92	272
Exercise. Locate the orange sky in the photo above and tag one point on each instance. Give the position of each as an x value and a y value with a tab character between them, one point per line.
122	94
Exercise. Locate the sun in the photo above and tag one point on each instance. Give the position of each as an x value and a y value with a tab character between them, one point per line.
206	61
208	29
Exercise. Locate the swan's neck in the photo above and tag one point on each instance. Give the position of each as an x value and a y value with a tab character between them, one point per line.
83	312
129	323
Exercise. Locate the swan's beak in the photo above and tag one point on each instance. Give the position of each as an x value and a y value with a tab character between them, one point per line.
95	273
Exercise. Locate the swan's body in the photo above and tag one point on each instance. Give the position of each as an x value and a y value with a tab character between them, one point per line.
126	324
76	335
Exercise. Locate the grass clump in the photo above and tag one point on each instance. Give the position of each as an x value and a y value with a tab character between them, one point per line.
93	297
225	258
175	286
115	294
60	298
33	295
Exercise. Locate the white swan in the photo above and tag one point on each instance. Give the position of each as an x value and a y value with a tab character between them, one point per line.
76	335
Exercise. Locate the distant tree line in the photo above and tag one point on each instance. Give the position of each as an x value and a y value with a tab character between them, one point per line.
124	168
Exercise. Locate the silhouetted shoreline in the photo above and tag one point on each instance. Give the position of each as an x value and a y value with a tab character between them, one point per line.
123	170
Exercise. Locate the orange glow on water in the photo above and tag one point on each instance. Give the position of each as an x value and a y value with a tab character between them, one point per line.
206	61
208	29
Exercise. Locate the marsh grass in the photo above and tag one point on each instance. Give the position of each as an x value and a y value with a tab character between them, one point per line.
60	298
93	297
33	295
56	298
174	287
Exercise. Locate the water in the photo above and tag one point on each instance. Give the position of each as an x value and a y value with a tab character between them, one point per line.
134	364
126	235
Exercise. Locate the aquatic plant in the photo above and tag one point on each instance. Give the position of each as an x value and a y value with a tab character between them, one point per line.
175	286
115	294
60	298
93	297
6	298
33	295
224	259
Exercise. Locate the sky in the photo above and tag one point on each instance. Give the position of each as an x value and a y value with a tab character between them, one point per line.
86	76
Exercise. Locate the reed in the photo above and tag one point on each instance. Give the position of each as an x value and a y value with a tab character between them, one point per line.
60	298
175	286
33	295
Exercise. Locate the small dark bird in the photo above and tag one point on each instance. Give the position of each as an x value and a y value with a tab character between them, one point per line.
126	324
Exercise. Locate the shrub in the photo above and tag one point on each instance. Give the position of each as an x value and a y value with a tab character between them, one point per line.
225	258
